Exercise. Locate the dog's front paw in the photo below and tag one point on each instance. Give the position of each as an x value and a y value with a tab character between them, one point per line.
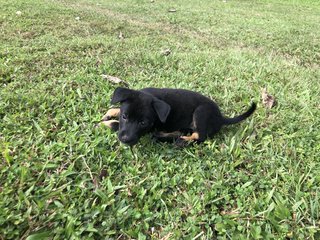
111	113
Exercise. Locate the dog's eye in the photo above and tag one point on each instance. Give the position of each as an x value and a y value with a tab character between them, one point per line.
124	117
142	123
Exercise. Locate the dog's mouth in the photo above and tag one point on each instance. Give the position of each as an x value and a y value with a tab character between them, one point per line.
129	142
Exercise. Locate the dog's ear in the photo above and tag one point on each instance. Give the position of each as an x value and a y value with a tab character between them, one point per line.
162	109
121	95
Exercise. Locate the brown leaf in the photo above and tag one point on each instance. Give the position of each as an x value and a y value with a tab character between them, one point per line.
166	52
166	237
99	62
95	182
121	36
113	79
103	174
230	212
129	192
268	100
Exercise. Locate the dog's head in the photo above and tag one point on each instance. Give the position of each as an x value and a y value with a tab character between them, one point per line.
139	112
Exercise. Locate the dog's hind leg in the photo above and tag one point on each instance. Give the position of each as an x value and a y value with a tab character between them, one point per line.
207	120
111	113
183	141
204	124
193	137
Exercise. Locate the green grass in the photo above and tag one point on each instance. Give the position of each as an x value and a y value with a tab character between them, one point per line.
61	178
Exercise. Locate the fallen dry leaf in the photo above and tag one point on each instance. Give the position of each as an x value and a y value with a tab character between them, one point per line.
268	100
114	79
231	212
129	192
166	52
166	237
95	182
103	174
99	62
121	36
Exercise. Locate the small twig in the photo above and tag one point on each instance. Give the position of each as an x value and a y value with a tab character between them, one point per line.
120	236
167	236
199	235
134	155
92	178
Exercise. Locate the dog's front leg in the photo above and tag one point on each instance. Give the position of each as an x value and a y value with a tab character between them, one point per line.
166	136
113	124
111	113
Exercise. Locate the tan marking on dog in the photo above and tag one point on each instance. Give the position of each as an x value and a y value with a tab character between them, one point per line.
192	137
169	134
193	124
113	112
108	123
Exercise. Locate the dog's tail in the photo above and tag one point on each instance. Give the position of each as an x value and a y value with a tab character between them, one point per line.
228	121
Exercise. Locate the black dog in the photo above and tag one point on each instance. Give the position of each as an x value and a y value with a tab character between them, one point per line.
171	114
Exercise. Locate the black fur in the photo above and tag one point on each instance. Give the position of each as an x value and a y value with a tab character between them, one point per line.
168	110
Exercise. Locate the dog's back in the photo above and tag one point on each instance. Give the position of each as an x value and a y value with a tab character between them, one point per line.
179	99
184	104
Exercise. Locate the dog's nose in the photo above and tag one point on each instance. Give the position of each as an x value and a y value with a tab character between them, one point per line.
127	140
124	138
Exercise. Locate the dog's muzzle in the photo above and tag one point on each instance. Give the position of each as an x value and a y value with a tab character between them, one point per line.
126	139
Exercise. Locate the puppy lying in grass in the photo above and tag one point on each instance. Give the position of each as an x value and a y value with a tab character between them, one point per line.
170	114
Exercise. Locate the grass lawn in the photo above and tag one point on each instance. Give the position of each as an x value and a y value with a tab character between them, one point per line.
62	178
